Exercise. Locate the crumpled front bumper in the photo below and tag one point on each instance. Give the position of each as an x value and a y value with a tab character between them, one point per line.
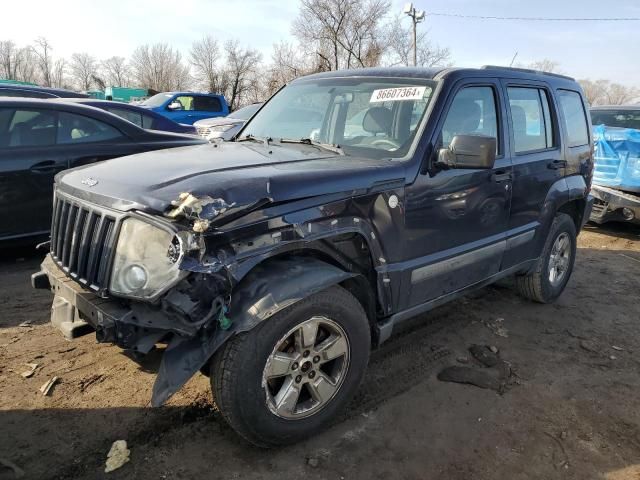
134	326
75	311
614	205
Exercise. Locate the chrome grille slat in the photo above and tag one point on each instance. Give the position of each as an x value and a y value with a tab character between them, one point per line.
83	239
61	224
68	234
93	252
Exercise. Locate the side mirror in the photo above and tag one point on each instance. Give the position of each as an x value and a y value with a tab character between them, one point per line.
175	106
469	151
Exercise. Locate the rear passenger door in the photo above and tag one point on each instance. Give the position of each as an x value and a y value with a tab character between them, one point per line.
536	153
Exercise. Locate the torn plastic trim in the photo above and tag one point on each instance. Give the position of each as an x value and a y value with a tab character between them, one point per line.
268	289
244	255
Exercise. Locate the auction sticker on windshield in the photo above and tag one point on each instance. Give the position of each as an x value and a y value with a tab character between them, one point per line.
394	94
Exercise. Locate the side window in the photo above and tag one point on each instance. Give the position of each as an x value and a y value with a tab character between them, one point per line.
31	128
133	117
531	119
147	121
472	112
575	119
185	101
74	128
207	104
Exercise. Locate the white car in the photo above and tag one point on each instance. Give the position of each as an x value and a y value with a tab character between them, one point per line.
225	127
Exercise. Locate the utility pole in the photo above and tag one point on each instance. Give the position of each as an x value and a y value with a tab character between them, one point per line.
417	16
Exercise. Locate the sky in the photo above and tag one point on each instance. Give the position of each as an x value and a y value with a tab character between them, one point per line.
105	28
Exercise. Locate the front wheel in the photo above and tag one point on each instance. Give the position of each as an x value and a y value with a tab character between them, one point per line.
555	265
288	377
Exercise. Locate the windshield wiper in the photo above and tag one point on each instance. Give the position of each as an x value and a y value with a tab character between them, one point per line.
307	141
253	138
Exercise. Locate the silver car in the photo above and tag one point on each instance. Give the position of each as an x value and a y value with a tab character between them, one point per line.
226	127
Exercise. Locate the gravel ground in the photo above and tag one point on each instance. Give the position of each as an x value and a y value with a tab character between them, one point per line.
570	410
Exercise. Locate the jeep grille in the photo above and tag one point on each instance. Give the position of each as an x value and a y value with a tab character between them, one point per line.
83	238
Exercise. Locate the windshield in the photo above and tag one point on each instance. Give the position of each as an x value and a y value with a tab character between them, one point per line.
157	100
616	118
375	117
245	113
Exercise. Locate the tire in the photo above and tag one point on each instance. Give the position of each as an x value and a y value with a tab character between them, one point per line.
240	370
538	284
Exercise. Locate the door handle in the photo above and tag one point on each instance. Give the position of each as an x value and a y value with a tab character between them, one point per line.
48	166
501	176
556	164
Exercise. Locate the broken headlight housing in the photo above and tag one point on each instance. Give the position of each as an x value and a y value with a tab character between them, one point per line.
146	260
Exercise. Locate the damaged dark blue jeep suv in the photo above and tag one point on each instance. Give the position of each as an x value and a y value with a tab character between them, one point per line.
351	201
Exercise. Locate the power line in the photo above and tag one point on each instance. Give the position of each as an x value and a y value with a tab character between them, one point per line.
536	19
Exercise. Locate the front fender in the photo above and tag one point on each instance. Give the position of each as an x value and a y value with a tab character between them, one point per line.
276	284
270	287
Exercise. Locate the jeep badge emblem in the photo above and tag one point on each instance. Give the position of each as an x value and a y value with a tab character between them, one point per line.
89	182
393	201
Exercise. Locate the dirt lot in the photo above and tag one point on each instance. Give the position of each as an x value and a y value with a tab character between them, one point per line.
573	411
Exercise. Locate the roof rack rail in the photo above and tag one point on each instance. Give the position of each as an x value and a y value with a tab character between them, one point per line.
528	70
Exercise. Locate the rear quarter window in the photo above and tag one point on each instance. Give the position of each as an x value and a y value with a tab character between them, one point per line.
207	104
574	118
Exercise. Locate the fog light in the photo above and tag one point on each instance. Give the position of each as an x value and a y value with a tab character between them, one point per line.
628	214
134	277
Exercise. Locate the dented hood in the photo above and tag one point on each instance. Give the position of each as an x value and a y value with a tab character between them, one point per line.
241	174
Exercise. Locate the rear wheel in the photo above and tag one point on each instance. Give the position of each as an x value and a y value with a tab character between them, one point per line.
285	379
555	265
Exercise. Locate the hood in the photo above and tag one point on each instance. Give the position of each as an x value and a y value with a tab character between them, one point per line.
210	122
240	174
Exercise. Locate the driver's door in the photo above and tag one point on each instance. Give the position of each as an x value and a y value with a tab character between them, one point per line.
179	108
456	220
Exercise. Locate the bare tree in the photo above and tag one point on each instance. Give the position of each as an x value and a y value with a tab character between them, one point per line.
603	92
242	66
159	67
618	94
27	69
287	63
44	60
545	65
116	72
399	46
594	91
10	59
206	60
58	74
84	68
341	33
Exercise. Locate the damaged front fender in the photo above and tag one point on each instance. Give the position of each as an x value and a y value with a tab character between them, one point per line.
271	287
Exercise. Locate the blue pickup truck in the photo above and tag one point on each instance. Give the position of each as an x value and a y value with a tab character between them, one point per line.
187	107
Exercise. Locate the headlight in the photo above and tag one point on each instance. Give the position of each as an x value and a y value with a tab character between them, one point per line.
221	128
146	260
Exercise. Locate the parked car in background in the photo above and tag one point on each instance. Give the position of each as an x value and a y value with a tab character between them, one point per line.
226	127
142	117
187	107
616	176
30	91
273	262
39	138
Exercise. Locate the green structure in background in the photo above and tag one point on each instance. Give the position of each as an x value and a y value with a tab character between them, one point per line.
97	94
125	94
15	82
